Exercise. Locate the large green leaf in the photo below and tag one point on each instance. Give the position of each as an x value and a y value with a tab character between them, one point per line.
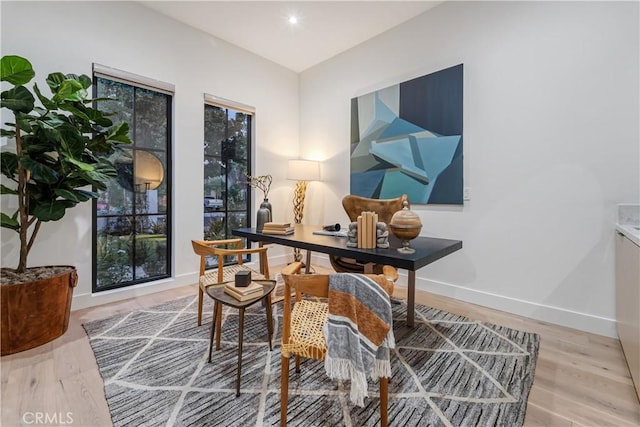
70	90
32	144
72	195
99	145
82	165
74	142
89	194
85	81
103	173
8	222
54	80
6	190
76	109
120	133
55	121
46	132
98	117
48	104
6	133
25	122
18	99
8	164
51	210
39	171
16	70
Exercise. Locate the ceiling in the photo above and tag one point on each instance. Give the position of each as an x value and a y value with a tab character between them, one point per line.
324	28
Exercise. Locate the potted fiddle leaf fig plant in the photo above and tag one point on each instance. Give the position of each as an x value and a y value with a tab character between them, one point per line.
57	148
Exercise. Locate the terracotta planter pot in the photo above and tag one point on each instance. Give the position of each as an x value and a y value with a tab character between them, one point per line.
35	313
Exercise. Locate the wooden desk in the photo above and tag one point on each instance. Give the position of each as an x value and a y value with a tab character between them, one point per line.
428	250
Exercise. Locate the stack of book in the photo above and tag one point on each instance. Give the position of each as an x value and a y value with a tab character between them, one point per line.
367	223
278	228
245	292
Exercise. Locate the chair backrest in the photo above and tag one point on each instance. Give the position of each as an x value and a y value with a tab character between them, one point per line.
385	208
205	248
317	285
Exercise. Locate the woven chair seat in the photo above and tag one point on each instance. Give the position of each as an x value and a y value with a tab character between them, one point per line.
210	278
306	339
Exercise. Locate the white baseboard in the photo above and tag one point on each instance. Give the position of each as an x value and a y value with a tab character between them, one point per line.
93	299
546	313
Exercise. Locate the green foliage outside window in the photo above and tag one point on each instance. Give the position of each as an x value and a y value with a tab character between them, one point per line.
227	137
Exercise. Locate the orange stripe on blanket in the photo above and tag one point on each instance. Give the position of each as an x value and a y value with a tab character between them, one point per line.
346	305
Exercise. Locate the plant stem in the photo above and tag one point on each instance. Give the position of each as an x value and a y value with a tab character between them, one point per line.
33	235
23	206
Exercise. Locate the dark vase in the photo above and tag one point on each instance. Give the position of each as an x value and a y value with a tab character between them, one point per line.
264	214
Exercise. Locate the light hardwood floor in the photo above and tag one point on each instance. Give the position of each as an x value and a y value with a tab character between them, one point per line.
580	380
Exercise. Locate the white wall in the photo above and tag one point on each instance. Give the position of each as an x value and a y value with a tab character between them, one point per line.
550	132
551	144
70	36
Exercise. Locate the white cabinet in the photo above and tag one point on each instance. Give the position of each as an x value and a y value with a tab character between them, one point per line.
628	303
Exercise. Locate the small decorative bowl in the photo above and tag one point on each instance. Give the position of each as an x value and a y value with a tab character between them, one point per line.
406	226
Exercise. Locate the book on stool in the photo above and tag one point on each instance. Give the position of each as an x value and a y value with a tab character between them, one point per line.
243	293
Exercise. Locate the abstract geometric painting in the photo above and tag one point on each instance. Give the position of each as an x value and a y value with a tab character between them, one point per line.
407	139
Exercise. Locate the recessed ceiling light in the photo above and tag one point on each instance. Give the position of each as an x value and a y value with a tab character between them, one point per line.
293	20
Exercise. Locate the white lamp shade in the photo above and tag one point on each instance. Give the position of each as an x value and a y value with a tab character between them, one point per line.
303	170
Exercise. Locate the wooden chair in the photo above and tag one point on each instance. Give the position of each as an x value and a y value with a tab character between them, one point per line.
221	249
354	206
302	329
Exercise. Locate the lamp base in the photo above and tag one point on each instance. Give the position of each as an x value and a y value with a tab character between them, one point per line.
298	201
298	208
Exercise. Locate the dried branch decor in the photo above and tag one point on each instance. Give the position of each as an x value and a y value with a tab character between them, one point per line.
262	182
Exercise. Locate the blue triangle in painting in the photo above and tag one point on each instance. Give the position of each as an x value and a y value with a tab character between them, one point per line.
400	127
366	184
436	153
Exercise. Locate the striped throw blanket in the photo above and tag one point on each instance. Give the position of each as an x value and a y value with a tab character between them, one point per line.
359	331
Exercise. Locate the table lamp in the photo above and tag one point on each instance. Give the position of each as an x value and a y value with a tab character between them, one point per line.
301	171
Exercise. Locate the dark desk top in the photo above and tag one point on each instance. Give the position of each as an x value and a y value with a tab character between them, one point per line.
427	249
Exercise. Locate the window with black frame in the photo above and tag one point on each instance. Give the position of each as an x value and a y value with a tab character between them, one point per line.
132	217
227	147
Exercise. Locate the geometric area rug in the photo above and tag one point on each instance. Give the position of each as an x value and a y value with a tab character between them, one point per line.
448	371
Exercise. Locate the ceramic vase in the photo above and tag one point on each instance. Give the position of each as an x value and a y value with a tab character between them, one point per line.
264	214
406	226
